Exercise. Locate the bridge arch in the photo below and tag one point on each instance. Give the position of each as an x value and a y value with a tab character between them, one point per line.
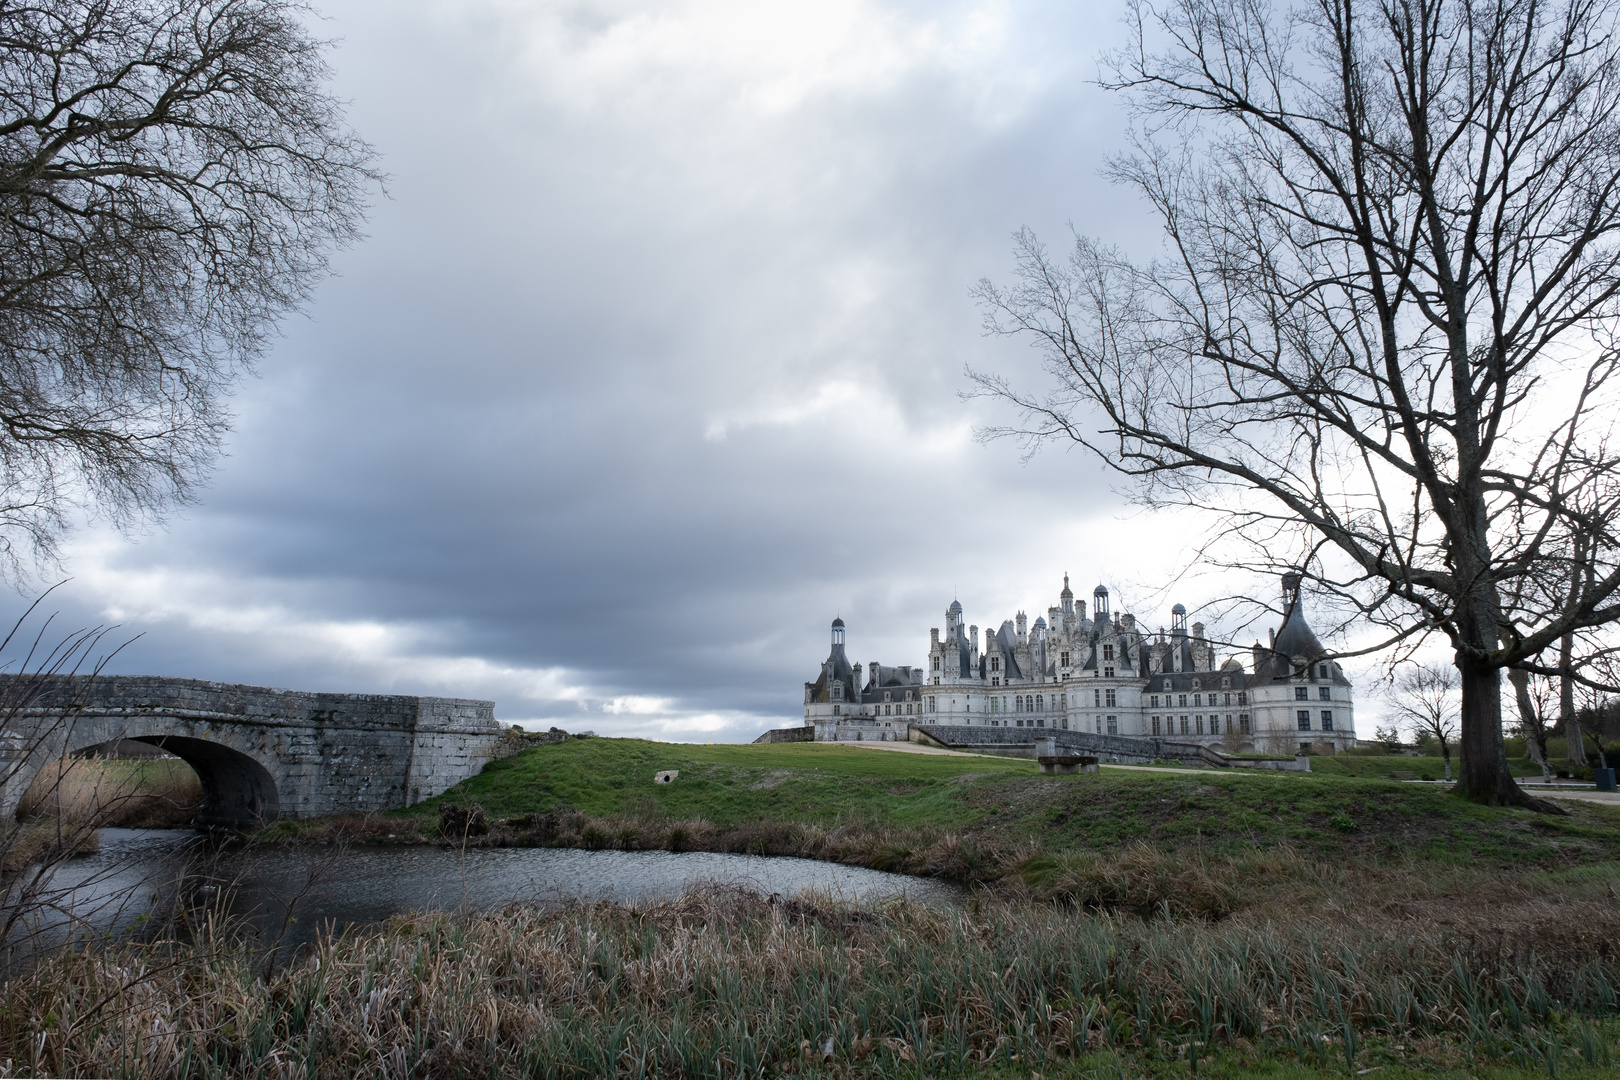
239	792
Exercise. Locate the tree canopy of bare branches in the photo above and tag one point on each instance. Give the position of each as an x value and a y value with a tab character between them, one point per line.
1381	335
174	175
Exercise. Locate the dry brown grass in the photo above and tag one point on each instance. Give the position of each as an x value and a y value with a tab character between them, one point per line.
731	984
37	842
102	793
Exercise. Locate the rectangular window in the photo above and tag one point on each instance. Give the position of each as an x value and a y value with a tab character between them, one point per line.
1099	725
1108	673
1304	717
1327	719
836	710
994	705
1214	724
1227	699
1109	698
1096	699
1183	701
1184	728
1155	701
1155	725
1243	722
1323	671
1198	699
1063	659
1243	698
1198	724
1108	652
1113	725
1063	701
1325	693
1302	693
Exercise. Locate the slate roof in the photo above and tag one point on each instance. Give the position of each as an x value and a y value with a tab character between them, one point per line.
842	671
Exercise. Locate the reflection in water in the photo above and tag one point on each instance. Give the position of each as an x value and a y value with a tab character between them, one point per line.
138	873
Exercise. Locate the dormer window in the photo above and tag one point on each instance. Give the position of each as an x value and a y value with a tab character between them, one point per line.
995	663
1167	684
1108	652
1197	685
1325	672
1063	659
1226	684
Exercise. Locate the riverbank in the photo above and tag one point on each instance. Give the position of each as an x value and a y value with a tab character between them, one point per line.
726	984
1207	845
1137	924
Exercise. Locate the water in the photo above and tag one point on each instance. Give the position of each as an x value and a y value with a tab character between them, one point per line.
138	873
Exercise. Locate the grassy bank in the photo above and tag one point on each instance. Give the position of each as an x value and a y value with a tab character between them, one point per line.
1208	844
728	985
1006	803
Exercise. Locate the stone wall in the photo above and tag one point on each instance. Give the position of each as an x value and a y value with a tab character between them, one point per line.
804	733
1023	743
261	753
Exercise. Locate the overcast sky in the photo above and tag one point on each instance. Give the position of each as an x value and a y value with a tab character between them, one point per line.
651	365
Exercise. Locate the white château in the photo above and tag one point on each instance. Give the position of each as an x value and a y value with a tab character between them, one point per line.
1098	672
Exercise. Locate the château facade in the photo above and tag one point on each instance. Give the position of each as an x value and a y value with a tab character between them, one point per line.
1092	670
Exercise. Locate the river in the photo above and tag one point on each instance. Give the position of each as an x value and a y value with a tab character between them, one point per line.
293	893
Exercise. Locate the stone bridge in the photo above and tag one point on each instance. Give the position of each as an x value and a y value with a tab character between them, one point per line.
261	754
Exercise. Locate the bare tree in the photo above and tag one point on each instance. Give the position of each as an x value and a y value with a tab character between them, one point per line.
173	177
1531	696
1381	342
1426	698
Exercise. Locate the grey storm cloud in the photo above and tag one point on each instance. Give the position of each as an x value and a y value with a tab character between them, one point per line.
652	363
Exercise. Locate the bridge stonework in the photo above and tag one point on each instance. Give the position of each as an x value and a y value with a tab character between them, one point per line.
261	754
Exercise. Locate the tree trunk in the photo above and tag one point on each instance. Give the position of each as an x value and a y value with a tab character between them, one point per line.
1574	746
1484	775
1445	752
1535	733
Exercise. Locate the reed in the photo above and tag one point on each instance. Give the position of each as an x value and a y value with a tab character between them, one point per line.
103	792
723	983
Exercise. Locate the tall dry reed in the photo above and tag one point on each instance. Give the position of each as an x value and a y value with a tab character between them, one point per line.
103	792
724	984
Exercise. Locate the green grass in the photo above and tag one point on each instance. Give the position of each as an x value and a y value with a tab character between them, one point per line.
1006	802
1401	767
731	785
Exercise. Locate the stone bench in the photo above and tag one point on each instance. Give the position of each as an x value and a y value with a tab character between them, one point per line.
1066	764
